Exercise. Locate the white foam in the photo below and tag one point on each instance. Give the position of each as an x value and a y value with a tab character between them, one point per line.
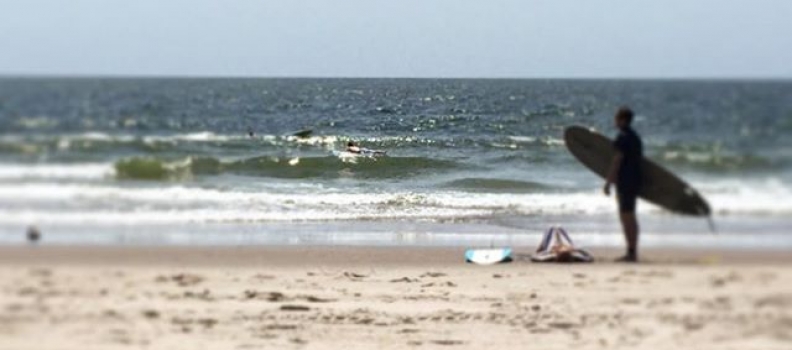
56	172
523	139
108	201
769	196
205	136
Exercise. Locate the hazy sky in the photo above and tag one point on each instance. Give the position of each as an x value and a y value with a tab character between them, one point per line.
404	38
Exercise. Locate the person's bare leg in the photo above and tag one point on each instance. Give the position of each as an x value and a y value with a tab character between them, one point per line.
630	227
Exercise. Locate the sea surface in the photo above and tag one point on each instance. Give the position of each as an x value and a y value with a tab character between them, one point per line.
469	162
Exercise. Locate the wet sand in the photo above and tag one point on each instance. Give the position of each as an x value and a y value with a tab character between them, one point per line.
387	298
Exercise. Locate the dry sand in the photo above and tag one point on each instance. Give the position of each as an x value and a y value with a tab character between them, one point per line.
387	298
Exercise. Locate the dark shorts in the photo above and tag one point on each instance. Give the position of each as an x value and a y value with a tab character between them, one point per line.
627	200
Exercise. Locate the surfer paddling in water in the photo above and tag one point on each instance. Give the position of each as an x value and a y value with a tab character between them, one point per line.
625	173
353	148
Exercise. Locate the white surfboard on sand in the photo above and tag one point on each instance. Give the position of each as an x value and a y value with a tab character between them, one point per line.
488	256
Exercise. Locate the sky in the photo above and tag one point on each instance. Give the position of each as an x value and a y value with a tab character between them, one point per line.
404	38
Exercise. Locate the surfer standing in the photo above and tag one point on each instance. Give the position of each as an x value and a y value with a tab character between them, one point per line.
625	173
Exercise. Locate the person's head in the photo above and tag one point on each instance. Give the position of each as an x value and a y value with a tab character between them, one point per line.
351	144
623	117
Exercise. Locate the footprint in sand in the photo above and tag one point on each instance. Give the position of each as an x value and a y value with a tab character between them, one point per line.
659	274
182	279
313	299
207	322
631	301
405	280
280	327
151	314
268	296
294	308
721	281
433	274
112	314
447	342
778	301
299	341
408	331
562	325
205	295
262	277
40	272
441	284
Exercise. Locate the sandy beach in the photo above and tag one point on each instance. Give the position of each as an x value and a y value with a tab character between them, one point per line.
387	298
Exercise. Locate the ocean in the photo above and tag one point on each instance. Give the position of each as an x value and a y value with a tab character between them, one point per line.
469	162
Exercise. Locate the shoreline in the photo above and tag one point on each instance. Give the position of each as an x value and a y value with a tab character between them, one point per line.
304	255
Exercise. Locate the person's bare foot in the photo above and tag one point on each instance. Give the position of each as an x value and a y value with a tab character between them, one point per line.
627	259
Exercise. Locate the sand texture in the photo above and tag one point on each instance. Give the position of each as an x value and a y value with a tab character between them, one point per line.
367	298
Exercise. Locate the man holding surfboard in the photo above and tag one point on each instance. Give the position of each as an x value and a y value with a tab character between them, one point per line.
625	173
621	162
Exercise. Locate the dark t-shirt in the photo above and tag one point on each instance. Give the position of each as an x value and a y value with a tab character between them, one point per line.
631	147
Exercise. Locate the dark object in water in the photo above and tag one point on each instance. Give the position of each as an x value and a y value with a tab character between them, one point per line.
33	234
303	133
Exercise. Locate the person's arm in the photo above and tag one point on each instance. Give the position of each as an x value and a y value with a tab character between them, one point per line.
613	173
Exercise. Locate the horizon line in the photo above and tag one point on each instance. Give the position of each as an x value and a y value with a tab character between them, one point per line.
4	75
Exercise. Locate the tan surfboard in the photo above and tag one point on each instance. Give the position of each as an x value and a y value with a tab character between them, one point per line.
660	186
